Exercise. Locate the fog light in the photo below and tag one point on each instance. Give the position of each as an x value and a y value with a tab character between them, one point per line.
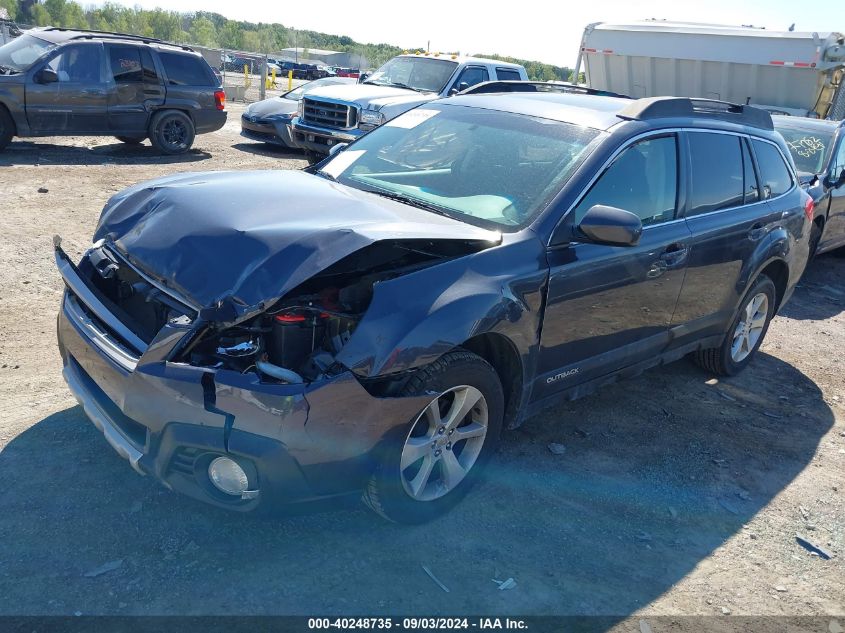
227	476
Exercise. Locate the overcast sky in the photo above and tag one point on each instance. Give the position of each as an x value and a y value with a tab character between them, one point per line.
545	30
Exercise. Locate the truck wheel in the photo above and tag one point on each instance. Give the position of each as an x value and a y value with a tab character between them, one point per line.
745	335
7	127
429	465
131	140
172	132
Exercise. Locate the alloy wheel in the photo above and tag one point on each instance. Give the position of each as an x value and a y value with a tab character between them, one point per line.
750	327
174	133
444	443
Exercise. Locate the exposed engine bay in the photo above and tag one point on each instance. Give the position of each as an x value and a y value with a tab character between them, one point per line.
294	341
298	339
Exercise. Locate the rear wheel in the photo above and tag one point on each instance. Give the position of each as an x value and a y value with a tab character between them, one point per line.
430	464
7	127
131	140
746	333
172	132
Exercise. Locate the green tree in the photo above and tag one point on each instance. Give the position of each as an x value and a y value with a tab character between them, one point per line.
203	32
40	15
11	7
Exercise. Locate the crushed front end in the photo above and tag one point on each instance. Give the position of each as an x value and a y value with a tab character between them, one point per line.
183	399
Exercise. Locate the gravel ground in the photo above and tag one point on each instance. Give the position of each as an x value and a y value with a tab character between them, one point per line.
677	494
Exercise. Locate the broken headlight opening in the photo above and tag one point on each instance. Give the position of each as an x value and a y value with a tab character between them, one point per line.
298	338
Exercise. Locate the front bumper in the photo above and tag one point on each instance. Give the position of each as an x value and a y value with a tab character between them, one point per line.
267	132
321	139
298	443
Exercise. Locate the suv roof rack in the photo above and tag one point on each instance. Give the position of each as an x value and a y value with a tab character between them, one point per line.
89	34
667	107
513	85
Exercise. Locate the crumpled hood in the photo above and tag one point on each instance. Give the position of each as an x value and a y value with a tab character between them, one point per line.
241	240
373	97
274	105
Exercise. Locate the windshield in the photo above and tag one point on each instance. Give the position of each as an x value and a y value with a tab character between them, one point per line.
417	73
809	148
20	53
490	168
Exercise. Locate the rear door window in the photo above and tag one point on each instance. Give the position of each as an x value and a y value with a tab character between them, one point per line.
126	64
643	179
185	70
507	74
717	172
775	176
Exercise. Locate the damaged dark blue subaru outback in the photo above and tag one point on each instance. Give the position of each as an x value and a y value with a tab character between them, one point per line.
257	339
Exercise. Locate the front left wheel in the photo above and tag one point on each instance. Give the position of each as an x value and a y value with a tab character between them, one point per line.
429	465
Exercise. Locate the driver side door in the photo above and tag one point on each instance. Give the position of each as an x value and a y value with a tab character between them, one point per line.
610	307
77	102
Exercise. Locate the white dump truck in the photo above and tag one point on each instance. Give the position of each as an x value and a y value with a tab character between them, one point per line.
786	72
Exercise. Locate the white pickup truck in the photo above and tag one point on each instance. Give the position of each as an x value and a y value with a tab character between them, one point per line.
340	114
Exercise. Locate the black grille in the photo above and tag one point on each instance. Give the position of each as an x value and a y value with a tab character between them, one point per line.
329	114
183	460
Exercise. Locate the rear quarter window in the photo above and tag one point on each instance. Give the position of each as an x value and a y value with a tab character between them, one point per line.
775	176
186	70
507	74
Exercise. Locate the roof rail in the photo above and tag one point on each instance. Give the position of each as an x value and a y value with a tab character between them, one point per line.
89	34
667	107
513	85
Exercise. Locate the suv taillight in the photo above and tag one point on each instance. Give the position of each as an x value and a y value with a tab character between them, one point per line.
220	99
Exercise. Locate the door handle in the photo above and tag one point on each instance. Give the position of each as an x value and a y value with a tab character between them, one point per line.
675	255
94	92
757	232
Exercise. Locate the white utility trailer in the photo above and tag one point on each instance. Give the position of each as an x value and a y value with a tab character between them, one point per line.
783	71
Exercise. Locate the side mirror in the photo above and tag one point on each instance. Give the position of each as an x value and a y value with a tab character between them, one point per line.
459	88
609	225
337	148
363	77
47	76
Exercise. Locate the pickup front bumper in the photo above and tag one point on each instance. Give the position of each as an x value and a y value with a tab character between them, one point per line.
321	139
298	443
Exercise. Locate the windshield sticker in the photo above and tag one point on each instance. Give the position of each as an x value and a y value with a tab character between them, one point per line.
807	146
341	162
412	119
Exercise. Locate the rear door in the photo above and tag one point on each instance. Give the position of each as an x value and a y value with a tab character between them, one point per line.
834	232
77	102
610	307
136	89
728	216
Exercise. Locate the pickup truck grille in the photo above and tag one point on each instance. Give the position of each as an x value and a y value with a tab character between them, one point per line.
329	114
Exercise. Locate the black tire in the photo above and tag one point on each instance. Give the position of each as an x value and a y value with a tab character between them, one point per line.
387	491
131	140
313	157
815	238
172	132
720	360
7	127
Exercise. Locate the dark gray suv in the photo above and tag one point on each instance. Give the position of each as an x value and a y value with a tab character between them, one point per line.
373	324
58	82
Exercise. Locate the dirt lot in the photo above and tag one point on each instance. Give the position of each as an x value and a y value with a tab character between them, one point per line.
677	494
